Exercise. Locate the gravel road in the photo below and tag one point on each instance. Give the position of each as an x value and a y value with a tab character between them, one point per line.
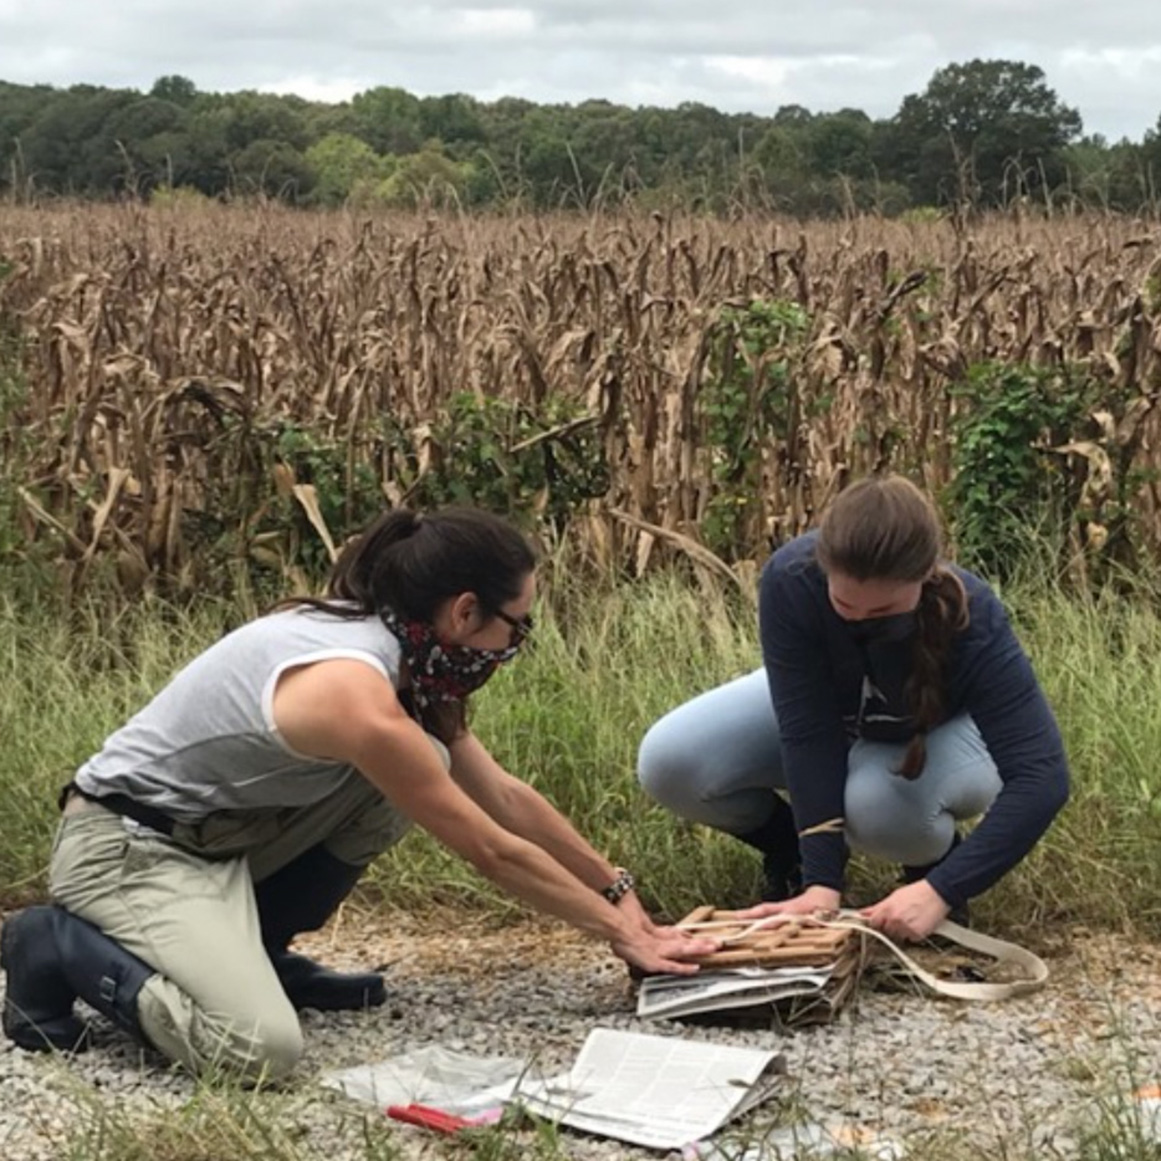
1018	1079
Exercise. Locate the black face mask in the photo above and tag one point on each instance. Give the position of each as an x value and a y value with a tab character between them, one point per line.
884	630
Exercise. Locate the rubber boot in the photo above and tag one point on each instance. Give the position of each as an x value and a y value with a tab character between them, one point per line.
777	840
38	999
299	897
960	914
101	971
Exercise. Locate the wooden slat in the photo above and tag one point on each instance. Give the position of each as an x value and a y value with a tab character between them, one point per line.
792	942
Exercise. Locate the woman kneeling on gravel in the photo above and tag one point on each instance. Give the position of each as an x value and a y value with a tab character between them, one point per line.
240	806
894	701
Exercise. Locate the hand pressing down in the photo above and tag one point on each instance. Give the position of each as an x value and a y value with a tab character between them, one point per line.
910	913
814	900
655	949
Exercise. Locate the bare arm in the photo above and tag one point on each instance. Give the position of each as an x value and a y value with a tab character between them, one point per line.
523	810
519	808
346	711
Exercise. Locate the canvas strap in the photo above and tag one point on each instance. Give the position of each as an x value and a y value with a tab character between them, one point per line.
1033	970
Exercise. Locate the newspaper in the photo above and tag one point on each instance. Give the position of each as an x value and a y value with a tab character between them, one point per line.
455	1082
662	1092
716	989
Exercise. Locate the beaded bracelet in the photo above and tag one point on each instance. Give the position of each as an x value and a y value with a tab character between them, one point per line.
619	887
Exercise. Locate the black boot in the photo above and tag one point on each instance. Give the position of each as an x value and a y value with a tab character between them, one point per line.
299	897
52	957
960	914
101	971
38	1000
777	839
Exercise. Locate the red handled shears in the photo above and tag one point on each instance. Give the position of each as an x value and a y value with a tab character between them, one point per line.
427	1117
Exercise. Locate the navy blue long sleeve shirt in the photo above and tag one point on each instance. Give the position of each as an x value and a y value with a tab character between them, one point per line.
817	672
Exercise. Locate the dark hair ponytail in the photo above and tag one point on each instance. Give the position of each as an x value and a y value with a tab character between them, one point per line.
352	575
411	562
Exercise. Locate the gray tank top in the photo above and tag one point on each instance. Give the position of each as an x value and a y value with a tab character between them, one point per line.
208	741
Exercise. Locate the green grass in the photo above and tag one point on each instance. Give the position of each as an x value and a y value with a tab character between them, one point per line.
220	1121
568	716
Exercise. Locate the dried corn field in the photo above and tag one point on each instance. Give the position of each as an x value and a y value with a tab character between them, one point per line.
194	390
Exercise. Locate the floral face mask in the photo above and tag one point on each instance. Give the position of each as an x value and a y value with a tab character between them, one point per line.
441	672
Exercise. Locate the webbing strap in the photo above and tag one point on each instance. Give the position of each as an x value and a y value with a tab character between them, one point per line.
1033	969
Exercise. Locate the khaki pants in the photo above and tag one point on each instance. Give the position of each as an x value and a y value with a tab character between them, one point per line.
185	905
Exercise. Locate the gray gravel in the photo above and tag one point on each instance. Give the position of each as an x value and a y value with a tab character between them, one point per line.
1022	1078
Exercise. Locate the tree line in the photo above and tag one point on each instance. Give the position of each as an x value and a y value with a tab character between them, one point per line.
982	133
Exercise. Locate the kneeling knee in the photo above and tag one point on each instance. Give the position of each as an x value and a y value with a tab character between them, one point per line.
268	1052
277	1053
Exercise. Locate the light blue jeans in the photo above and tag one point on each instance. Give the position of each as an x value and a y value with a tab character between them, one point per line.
717	759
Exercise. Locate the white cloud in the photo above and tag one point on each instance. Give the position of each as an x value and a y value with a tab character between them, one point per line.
1125	63
497	22
331	90
751	54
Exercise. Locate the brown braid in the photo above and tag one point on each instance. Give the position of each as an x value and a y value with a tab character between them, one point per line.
942	613
885	528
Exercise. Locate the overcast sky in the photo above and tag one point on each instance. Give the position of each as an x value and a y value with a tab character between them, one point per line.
754	55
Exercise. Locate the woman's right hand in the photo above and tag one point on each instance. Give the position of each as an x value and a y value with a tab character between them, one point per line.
814	899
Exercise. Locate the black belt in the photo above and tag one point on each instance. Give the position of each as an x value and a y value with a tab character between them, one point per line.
124	805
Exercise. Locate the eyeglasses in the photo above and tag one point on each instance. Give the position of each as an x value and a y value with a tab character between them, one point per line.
521	626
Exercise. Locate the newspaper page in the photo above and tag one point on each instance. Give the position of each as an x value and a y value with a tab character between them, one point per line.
455	1082
658	1091
713	990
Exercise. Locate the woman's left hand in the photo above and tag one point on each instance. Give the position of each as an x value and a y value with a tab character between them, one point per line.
911	913
631	906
